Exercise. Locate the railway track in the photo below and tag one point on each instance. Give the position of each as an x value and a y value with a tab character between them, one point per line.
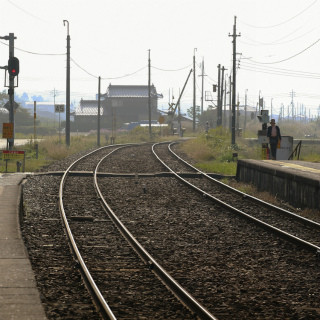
231	267
289	225
136	288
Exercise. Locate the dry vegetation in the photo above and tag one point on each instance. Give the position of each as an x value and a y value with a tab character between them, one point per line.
210	153
213	153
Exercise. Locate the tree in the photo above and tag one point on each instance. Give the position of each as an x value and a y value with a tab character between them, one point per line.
21	99
190	112
3	98
37	98
209	115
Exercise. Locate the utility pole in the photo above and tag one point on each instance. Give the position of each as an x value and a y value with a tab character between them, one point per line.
194	89
225	105
238	115
245	111
259	103
202	75
292	104
68	86
34	121
99	95
230	104
149	93
234	73
54	93
219	96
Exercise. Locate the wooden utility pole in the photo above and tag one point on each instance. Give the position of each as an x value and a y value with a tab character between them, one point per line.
194	90
234	74
34	121
245	111
230	104
219	96
202	75
225	105
99	95
68	87
149	93
222	93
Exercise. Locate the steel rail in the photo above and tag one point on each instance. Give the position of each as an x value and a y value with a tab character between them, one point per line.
307	245
102	305
186	298
245	195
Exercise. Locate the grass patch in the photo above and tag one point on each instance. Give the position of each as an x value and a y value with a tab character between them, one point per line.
50	149
213	152
225	168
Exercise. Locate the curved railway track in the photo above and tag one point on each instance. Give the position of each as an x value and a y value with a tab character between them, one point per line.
233	268
145	295
291	226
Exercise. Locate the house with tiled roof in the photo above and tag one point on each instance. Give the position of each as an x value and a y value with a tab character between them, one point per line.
121	103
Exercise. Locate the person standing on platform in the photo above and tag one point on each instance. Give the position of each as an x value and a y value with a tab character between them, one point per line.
274	136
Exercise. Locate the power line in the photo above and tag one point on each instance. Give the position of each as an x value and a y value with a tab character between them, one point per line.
90	74
126	75
291	57
214	81
277	42
279	71
86	71
35	53
186	67
25	11
107	78
281	23
249	62
280	74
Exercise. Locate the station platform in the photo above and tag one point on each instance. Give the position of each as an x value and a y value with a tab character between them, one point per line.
297	182
19	296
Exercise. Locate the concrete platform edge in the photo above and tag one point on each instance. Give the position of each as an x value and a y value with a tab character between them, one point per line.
298	188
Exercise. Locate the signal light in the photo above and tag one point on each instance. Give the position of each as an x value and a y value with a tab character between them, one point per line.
13	66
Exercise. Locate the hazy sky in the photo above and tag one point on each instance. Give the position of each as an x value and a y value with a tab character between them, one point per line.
278	49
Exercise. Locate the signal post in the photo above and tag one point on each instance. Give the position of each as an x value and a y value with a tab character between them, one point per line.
13	71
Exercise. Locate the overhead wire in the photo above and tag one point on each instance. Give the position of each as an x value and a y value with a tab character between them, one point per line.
281	23
86	71
188	66
25	11
106	78
126	75
278	71
291	57
35	53
274	73
276	42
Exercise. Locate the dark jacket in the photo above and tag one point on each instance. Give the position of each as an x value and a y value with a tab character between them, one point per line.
278	132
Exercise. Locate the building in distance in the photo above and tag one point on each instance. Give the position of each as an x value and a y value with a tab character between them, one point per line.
120	104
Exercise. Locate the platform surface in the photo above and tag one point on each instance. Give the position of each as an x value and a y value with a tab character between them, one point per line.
19	296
